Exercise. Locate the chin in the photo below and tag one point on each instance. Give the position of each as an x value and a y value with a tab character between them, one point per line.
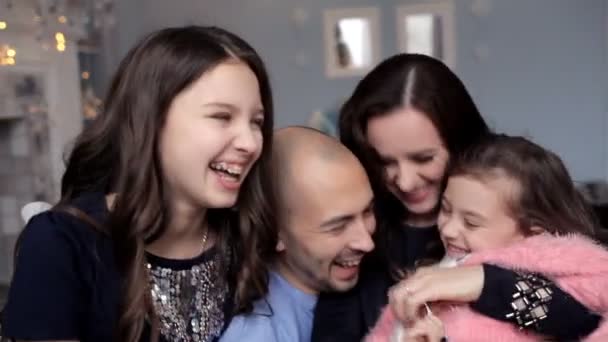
423	208
219	202
343	286
428	206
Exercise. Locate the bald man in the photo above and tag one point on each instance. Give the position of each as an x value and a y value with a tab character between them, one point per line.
326	221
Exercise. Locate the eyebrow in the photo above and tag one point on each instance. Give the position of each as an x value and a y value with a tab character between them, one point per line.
231	107
336	220
220	104
426	151
344	218
430	150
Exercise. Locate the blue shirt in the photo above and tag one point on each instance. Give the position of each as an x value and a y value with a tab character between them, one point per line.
285	314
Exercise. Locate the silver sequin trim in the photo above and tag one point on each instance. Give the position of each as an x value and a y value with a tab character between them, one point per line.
189	303
530	301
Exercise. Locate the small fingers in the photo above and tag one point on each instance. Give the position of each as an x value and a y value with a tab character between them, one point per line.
404	304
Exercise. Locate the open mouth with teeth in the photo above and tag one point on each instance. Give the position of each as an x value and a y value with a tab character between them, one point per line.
456	251
348	263
346	269
227	172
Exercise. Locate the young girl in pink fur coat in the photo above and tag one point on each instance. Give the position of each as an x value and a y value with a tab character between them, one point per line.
511	203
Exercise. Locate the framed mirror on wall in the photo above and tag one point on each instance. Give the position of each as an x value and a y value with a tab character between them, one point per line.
352	41
428	29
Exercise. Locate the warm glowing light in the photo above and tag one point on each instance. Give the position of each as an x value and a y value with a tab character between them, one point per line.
7	55
60	41
7	61
62	19
85	75
2	25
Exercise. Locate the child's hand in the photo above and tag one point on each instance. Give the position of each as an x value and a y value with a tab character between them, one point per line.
427	285
427	329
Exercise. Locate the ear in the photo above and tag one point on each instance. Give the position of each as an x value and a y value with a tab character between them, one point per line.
537	230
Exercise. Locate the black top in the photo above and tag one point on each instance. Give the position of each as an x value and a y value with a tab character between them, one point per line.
66	285
347	317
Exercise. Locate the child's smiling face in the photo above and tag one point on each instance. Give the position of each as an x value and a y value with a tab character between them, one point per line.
475	214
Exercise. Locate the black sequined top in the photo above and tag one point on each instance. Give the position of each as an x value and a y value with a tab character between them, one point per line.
189	296
66	285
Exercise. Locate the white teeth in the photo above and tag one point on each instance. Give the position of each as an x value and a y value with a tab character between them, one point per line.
456	252
352	263
233	170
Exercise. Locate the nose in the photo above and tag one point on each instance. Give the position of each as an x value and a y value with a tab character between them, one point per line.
247	138
406	177
362	236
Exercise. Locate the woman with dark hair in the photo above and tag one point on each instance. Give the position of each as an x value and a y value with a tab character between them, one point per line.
163	217
405	121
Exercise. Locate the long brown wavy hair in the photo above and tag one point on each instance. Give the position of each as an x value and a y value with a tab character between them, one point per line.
546	196
118	153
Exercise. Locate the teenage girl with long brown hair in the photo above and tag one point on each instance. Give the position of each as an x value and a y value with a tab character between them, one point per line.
163	213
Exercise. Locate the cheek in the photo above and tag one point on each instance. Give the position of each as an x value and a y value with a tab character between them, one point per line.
390	173
325	249
435	171
491	238
174	159
200	150
309	249
480	240
192	140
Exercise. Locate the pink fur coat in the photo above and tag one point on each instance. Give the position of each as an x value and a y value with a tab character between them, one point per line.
576	264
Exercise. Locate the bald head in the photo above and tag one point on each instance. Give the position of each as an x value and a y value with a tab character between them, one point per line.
303	156
293	144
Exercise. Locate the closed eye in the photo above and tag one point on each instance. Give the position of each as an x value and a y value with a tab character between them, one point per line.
259	121
422	159
224	116
336	229
471	225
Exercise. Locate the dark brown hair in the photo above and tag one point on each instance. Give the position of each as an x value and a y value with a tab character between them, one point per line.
118	153
545	195
407	80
